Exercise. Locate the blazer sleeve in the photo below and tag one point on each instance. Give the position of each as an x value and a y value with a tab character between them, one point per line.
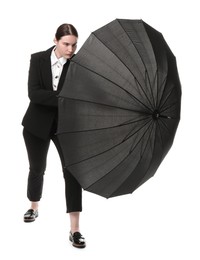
37	91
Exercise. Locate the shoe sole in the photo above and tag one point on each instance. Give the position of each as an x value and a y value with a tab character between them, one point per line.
26	220
29	220
76	245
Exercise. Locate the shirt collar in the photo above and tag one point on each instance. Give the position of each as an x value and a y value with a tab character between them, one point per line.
54	59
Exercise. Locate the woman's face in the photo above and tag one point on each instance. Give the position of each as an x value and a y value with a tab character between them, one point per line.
66	46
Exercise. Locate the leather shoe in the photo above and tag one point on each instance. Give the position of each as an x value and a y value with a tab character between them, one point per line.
77	240
30	215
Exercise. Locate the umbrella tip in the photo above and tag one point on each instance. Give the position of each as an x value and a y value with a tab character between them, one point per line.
156	115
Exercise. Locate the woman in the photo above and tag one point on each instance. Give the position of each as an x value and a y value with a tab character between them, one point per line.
46	77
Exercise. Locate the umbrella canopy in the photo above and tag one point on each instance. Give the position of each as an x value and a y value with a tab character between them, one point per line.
119	108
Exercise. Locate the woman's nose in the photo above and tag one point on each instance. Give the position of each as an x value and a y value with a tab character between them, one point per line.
70	48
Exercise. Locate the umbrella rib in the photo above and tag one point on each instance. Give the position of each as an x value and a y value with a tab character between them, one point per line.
133	133
126	158
169	107
151	125
161	121
117	85
96	129
99	129
146	71
162	84
141	156
102	104
127	69
167	97
124	140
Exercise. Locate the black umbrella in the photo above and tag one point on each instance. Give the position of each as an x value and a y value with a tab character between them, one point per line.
119	108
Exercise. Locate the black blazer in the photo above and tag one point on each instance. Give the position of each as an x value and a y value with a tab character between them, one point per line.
42	111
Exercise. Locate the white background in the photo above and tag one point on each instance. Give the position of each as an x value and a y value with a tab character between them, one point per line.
158	221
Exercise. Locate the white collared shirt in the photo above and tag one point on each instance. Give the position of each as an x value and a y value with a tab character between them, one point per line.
56	68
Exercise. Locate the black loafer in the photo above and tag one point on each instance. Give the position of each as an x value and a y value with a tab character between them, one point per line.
30	215
77	240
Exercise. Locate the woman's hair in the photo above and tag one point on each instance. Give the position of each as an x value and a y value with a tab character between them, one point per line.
65	29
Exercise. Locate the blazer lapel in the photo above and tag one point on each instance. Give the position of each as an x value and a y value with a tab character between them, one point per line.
47	73
46	69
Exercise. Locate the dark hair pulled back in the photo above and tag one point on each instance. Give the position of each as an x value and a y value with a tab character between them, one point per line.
65	29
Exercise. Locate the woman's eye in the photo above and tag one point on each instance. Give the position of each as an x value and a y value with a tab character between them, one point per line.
73	45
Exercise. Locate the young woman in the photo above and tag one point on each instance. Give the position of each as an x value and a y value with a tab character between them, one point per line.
46	76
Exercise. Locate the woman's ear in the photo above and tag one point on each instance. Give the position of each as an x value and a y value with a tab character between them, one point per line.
55	41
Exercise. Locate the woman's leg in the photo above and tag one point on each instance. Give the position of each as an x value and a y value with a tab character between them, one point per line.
37	153
73	192
74	222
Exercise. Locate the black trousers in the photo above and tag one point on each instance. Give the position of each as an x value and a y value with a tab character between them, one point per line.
37	150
